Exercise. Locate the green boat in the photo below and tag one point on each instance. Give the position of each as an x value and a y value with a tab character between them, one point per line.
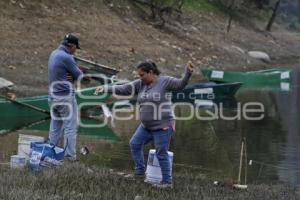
14	116
99	72
41	102
25	110
93	67
271	79
209	90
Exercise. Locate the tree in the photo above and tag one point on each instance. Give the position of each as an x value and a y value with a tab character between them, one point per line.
231	6
161	10
299	11
274	13
261	3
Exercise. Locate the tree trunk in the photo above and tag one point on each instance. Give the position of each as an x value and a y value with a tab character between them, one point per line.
299	11
230	12
152	8
272	19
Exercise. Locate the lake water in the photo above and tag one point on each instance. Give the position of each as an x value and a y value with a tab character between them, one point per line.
211	147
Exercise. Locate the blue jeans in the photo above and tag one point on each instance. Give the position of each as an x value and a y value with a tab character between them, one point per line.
64	116
161	140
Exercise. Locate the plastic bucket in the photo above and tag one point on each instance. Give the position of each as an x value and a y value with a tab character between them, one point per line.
17	162
24	144
153	170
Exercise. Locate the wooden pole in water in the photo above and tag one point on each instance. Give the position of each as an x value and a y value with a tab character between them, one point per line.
246	161
241	162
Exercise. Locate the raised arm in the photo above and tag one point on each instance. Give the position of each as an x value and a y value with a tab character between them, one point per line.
178	84
125	89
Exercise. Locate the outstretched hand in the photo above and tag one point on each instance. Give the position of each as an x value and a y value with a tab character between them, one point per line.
11	96
190	67
99	90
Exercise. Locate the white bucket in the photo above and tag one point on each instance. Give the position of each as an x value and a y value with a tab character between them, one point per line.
17	162
153	170
24	144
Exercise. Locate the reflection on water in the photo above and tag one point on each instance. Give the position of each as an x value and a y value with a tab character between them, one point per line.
213	147
91	136
288	107
101	133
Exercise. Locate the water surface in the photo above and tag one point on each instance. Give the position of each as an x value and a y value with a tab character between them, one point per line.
213	147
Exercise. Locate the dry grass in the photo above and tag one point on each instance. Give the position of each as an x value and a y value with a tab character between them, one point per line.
77	181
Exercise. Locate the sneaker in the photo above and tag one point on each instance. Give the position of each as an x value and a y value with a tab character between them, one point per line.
70	159
163	185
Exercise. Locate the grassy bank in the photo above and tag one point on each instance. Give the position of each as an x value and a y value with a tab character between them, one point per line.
77	181
202	6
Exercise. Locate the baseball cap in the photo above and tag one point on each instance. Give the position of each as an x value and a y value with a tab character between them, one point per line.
71	39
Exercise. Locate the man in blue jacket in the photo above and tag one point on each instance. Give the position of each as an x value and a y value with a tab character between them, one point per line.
62	72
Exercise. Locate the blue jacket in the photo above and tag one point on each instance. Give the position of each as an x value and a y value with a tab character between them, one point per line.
61	63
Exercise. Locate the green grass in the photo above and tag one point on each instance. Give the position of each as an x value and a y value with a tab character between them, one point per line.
78	181
201	6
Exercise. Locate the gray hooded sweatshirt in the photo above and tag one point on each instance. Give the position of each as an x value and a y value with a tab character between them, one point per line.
154	100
